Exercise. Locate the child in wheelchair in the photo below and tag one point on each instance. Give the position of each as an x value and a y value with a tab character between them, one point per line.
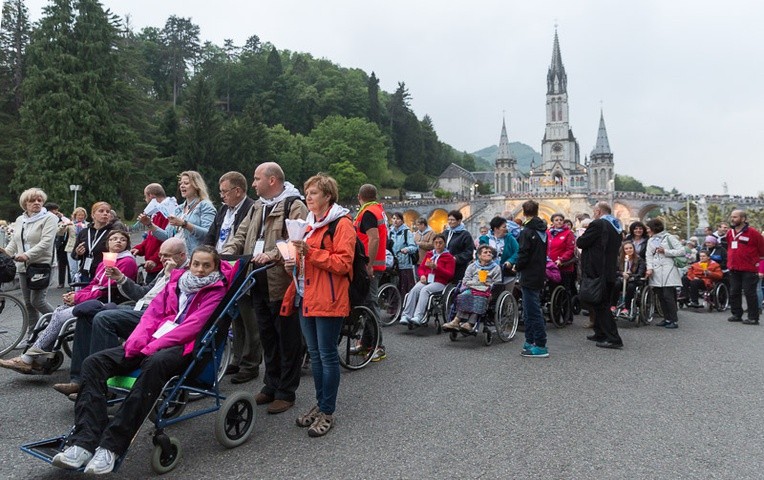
475	296
631	270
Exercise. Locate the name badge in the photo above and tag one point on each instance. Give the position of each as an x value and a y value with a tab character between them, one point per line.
166	327
430	278
88	263
733	245
259	247
138	306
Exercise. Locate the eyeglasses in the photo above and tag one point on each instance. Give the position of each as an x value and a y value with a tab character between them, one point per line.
223	193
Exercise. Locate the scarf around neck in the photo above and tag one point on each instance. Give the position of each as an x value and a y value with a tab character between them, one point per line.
26	219
190	283
289	191
333	214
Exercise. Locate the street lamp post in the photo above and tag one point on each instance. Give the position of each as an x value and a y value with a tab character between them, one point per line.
75	189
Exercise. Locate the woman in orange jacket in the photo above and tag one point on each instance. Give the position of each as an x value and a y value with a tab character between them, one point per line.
320	293
702	274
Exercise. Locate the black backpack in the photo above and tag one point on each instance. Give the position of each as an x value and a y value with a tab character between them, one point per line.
7	268
360	282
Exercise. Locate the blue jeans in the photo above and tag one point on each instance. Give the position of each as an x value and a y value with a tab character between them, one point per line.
535	329
321	336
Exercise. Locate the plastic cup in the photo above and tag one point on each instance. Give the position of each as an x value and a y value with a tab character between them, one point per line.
109	259
483	275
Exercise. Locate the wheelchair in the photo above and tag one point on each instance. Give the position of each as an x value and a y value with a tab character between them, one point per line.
439	305
389	297
359	338
714	298
643	306
501	318
14	319
235	414
556	303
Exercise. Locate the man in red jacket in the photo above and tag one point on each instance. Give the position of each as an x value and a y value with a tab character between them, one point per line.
745	251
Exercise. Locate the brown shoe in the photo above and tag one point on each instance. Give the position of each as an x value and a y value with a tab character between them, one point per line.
466	327
18	365
590	324
307	419
67	388
452	325
263	398
279	406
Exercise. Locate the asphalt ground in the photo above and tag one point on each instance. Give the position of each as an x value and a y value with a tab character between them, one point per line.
672	404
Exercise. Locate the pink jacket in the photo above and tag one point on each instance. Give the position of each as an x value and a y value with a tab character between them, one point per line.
164	307
97	287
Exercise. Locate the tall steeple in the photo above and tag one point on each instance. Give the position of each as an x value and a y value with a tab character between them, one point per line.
556	79
603	145
504	143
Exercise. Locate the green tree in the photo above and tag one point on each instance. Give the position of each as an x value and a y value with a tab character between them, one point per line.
416	182
349	179
180	38
625	183
289	151
14	39
374	115
199	139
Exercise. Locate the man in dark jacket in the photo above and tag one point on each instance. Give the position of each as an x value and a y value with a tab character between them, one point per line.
599	257
531	263
459	243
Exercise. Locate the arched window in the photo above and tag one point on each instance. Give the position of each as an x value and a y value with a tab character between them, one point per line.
596	181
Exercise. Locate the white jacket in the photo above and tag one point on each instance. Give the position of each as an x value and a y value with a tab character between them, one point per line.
39	235
665	273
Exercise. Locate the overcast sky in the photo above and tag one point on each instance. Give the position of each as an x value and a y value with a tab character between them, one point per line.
679	81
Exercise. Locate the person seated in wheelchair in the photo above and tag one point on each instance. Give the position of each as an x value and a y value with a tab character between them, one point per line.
31	361
435	272
702	275
631	271
161	346
475	293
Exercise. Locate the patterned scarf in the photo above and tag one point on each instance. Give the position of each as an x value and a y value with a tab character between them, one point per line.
190	283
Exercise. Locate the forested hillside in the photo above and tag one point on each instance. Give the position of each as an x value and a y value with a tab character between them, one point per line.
85	99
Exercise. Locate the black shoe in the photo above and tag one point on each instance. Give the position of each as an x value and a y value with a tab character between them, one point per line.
749	321
244	377
595	338
610	345
232	369
672	325
662	324
734	318
694	305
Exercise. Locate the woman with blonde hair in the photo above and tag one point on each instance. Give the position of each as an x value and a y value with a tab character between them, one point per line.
32	243
192	218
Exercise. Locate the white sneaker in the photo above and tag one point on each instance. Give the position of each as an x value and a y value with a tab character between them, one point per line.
102	462
72	458
404	320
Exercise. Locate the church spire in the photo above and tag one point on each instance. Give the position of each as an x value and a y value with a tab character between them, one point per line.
504	153
603	145
556	79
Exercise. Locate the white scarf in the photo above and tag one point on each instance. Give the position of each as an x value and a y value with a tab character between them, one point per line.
26	219
289	191
333	214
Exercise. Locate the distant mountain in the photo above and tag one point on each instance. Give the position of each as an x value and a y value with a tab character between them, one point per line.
522	152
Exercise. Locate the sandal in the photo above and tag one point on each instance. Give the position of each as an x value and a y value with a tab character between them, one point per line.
307	419
321	426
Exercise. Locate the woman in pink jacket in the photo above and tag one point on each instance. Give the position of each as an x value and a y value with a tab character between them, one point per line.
97	290
161	345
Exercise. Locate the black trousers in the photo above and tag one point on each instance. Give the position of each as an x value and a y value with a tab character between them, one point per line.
92	427
692	288
667	297
281	338
63	264
604	324
744	283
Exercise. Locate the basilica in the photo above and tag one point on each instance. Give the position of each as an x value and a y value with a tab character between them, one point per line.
561	170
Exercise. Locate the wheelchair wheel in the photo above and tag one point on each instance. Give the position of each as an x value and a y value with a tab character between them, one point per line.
575	305
452	335
390	304
448	302
14	320
559	306
721	297
67	338
164	461
506	316
54	363
646	306
359	338
174	408
235	420
487	338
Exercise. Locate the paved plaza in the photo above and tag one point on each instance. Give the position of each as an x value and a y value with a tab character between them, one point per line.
672	404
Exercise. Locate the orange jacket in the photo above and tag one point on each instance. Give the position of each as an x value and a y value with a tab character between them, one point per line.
378	211
327	266
714	273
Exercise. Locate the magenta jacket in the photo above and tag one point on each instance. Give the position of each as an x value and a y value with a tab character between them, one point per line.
165	307
97	287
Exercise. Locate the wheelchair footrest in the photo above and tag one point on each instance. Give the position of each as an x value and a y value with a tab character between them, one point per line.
46	449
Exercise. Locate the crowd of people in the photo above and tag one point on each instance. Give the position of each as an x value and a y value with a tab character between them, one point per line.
300	304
